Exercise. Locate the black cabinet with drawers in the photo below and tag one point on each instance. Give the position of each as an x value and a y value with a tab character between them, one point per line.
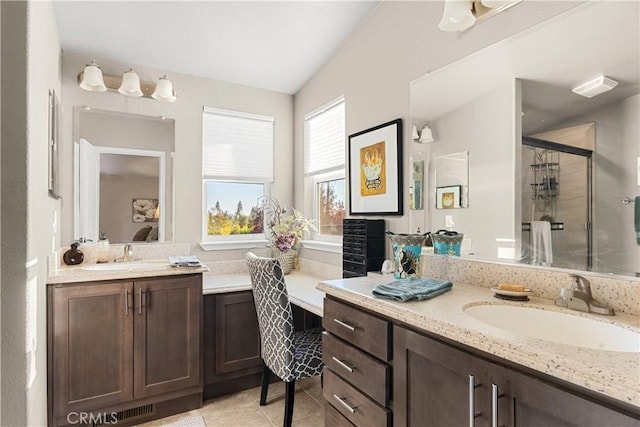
363	246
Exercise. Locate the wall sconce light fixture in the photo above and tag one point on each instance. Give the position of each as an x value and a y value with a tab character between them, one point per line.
92	80
425	134
460	15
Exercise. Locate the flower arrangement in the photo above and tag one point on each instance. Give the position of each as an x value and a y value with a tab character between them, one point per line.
287	231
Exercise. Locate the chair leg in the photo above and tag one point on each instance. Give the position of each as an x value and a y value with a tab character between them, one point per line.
289	395
266	374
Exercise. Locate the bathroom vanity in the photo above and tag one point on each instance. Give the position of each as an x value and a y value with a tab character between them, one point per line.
430	364
124	345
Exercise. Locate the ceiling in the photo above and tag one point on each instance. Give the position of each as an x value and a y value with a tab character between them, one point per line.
275	45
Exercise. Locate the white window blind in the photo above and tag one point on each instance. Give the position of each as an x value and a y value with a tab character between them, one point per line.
237	146
324	138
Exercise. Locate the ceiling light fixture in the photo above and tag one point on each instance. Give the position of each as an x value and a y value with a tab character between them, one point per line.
460	15
92	80
130	85
425	134
164	90
597	86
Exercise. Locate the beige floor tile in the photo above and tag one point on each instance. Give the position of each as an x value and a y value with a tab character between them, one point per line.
303	406
276	390
315	391
313	420
230	401
250	416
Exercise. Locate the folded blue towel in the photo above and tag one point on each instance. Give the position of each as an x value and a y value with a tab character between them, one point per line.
414	288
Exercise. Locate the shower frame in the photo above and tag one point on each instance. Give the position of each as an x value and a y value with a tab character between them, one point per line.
588	154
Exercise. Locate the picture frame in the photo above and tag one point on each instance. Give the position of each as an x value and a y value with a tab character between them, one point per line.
448	197
375	170
54	115
145	210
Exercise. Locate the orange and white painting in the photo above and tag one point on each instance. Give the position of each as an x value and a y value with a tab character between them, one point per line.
373	170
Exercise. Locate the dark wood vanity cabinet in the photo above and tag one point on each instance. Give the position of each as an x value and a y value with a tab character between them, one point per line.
123	347
436	384
231	343
356	350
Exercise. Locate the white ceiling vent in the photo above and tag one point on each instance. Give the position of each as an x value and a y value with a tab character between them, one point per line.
595	87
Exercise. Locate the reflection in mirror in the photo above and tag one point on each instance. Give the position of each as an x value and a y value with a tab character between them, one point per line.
514	92
123	177
416	188
452	180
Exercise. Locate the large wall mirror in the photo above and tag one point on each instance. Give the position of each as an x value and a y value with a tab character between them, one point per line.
542	153
123	177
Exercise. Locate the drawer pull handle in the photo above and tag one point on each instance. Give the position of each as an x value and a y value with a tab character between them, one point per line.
126	302
341	363
341	323
472	401
345	404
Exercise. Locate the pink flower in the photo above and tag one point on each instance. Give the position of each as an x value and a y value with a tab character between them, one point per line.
284	242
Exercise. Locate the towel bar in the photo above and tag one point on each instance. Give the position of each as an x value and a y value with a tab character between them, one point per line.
526	226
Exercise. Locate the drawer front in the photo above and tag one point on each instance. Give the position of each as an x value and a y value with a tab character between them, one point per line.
358	368
333	418
353	405
361	329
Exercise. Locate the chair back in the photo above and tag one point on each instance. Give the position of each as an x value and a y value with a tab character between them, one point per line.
275	318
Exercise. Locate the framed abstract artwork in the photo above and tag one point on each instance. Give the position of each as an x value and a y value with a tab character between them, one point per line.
375	170
448	197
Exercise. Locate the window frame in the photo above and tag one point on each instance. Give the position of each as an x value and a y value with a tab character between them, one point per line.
236	241
324	242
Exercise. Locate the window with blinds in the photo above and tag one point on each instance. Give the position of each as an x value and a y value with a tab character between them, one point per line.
237	167
324	163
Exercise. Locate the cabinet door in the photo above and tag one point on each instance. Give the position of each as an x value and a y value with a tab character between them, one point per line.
90	344
167	331
237	335
431	384
532	402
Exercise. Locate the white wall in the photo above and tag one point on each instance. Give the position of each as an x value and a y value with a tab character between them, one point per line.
193	93
14	220
491	172
30	52
398	42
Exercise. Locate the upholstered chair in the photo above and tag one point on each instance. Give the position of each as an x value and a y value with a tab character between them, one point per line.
289	355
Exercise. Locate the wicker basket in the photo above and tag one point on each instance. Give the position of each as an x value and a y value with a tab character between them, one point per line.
287	260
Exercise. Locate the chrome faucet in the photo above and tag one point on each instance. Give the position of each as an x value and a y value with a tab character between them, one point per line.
128	253
578	297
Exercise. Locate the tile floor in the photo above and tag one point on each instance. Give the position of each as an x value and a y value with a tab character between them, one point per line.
242	409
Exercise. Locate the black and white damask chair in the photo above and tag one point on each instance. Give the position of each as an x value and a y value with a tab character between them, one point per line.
290	355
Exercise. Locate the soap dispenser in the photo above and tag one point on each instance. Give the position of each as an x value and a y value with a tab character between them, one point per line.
103	250
73	256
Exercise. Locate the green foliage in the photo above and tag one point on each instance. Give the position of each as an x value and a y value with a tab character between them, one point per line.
224	223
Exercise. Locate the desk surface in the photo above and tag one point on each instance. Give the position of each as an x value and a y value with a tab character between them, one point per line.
300	285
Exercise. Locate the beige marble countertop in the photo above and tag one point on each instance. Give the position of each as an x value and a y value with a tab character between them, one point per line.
301	287
80	273
613	374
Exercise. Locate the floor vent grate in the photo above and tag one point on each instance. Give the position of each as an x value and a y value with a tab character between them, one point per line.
115	418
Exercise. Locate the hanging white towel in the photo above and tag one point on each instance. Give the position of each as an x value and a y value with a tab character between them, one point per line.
541	250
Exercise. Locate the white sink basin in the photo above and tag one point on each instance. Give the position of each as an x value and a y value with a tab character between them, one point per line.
557	327
127	266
